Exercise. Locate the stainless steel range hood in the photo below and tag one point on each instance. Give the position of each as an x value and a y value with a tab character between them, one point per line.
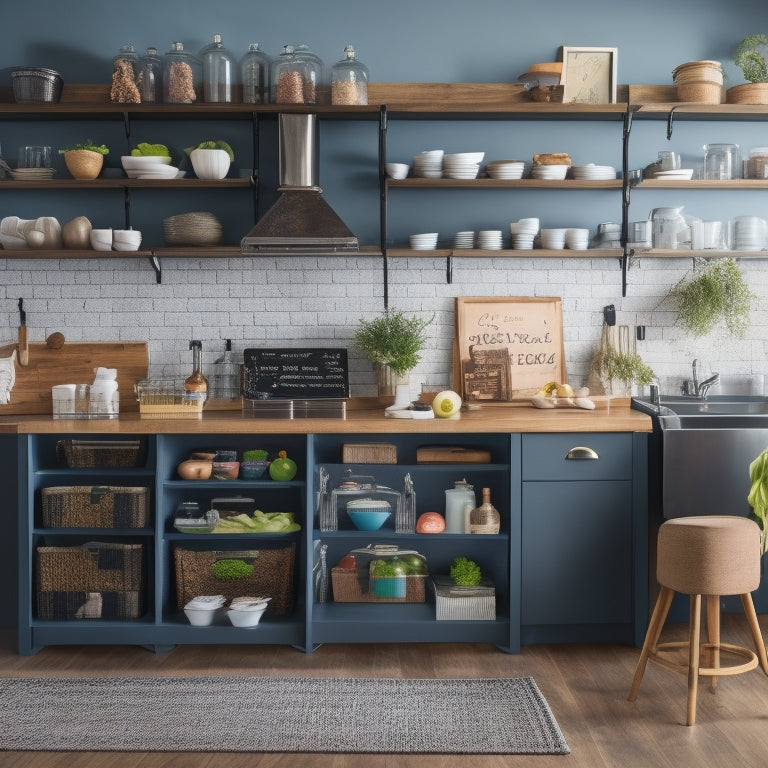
301	221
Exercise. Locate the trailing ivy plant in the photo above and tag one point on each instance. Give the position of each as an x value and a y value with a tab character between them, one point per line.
750	55
717	294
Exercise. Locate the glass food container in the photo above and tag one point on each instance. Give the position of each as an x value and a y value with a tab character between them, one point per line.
149	78
254	72
314	75
349	80
287	78
218	72
182	75
124	70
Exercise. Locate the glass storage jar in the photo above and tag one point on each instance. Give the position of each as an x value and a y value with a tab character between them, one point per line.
149	77
181	76
757	165
218	72
254	72
313	72
124	66
349	79
287	78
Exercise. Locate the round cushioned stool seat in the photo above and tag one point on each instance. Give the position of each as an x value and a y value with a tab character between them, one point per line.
709	555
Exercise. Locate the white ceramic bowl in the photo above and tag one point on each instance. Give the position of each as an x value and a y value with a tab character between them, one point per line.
131	162
126	239
246	617
157	171
101	239
210	163
201	617
397	170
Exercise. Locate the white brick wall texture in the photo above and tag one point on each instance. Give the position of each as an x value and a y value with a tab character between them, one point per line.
318	301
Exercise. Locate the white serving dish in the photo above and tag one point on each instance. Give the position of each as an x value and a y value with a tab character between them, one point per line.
246	614
137	162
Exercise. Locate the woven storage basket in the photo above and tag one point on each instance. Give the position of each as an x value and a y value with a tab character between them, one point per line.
464	603
272	576
698	71
369	453
36	85
98	454
701	92
95	506
747	93
83	163
353	586
94	580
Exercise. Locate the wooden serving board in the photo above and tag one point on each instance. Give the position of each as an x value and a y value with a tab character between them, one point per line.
74	363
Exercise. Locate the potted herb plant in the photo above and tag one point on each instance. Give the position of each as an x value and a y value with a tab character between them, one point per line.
85	161
626	368
717	294
750	56
211	159
392	341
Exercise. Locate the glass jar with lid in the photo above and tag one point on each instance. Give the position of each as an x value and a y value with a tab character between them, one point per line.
313	72
287	77
124	69
149	77
349	79
254	72
181	76
218	72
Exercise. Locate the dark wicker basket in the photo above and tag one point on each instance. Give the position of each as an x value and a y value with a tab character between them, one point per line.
99	454
95	506
36	85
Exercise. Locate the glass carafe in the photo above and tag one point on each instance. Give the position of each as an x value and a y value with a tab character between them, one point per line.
149	78
722	161
349	80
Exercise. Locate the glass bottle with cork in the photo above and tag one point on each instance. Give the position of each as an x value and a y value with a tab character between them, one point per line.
196	385
254	72
485	518
349	80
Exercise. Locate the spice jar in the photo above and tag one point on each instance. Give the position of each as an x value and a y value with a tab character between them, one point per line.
349	80
757	165
181	76
254	71
149	77
124	65
218	72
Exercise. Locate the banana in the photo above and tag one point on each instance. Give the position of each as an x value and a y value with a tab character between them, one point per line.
548	389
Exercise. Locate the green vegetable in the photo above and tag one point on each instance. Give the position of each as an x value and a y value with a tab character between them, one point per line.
758	495
388	569
154	150
217	144
465	572
256	454
229	570
260	522
101	148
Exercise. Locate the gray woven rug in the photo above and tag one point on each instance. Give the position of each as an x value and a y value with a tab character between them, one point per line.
277	714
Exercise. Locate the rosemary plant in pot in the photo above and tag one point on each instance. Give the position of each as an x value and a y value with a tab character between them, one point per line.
392	341
751	57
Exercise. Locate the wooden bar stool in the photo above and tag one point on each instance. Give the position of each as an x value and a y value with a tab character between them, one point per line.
711	556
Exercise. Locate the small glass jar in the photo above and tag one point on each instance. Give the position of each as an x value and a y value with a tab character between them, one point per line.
181	76
254	72
218	72
757	165
149	78
349	80
124	69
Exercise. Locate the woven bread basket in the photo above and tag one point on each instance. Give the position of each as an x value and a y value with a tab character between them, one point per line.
84	163
700	92
698	71
747	93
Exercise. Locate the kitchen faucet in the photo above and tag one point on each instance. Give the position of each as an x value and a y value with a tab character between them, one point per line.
695	388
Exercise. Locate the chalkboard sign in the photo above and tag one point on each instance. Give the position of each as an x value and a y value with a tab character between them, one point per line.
292	373
507	348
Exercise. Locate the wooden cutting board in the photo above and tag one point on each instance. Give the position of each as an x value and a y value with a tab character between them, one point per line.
74	363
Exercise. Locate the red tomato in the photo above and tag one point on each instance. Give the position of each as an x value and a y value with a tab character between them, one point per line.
348	562
430	522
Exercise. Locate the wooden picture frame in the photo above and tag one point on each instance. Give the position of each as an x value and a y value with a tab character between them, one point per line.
507	348
589	75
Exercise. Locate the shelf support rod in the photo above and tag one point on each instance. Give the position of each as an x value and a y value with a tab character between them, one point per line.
383	199
127	129
449	269
625	195
255	164
670	122
155	262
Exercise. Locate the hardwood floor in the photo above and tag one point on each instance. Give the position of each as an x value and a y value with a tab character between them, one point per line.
586	687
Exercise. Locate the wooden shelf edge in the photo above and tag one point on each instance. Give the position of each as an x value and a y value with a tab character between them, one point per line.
680	253
506	253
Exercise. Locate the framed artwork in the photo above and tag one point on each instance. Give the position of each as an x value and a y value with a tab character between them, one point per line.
507	348
589	75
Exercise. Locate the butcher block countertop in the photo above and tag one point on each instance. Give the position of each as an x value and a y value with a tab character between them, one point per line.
609	416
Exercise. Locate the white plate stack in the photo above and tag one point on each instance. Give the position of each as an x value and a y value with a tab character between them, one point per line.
556	172
428	164
680	174
552	239
32	174
505	169
489	240
464	240
426	241
523	233
749	233
462	165
593	172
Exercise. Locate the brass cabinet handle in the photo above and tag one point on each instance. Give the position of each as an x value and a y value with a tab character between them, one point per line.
582	452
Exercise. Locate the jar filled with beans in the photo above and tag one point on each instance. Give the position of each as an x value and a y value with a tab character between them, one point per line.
296	76
349	80
182	76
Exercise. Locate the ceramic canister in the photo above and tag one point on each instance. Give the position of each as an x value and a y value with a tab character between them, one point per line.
455	500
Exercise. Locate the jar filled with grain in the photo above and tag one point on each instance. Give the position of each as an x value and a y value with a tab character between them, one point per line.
254	71
314	73
287	78
349	79
219	72
182	76
149	78
757	165
124	67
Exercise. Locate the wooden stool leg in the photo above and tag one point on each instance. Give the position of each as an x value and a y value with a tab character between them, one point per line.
658	617
694	639
749	611
713	634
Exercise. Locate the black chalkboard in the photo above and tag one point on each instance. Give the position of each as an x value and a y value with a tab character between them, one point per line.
295	372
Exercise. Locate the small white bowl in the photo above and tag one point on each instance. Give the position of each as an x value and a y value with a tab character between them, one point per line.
210	163
101	239
158	171
397	170
137	162
246	617
201	617
126	239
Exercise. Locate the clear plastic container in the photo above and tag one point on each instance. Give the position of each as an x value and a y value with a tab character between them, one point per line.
182	73
349	80
254	72
149	77
219	72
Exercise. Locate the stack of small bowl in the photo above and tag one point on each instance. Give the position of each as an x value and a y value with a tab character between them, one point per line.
428	164
426	241
523	233
700	82
505	169
556	172
462	165
489	240
149	167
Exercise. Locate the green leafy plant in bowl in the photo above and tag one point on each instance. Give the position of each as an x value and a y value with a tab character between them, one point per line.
85	161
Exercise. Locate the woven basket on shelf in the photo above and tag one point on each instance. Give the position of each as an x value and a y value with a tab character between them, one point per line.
747	93
698	71
700	92
95	506
84	163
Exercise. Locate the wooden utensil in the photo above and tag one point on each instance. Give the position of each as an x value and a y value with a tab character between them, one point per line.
23	347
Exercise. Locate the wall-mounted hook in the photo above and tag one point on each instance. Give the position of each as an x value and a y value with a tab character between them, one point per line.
670	121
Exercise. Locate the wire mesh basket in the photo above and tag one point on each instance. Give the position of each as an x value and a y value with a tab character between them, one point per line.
36	85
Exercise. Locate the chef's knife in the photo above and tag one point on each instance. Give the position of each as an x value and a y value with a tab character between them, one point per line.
23	348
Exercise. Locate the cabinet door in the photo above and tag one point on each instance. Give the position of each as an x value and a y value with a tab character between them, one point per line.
577	552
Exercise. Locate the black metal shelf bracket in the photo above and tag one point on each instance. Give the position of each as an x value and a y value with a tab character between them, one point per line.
670	122
155	262
383	199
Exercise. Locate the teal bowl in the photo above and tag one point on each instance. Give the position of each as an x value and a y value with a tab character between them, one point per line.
368	520
252	470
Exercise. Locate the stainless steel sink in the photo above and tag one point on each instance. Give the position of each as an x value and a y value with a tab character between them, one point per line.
715	412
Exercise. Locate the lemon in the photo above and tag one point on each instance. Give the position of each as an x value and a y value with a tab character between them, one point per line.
564	390
446	404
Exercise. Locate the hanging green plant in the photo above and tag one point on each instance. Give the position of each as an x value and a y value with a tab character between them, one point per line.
717	294
627	367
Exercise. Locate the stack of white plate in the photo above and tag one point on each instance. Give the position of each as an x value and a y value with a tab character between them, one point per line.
552	239
157	172
462	165
428	164
549	171
32	174
749	233
489	240
577	238
505	169
427	241
523	233
592	171
464	240
680	174
199	228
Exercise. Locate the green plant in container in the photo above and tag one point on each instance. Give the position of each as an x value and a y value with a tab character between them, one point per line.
750	58
628	368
